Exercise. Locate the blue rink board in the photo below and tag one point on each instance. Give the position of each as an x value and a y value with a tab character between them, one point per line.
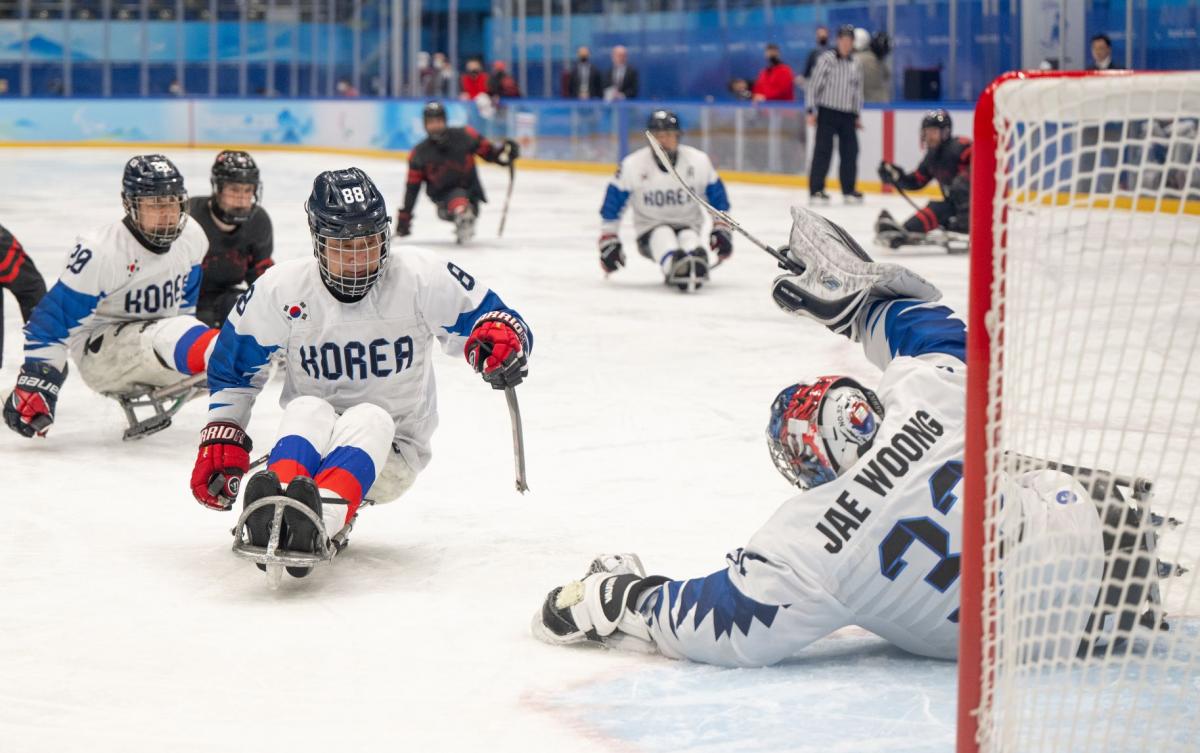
852	693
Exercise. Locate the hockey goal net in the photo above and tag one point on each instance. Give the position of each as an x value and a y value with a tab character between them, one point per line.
1084	356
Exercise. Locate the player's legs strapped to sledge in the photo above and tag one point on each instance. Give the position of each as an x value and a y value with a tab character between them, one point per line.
156	352
340	453
680	253
459	209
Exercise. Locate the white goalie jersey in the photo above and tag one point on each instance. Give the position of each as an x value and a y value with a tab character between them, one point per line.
376	350
656	197
880	546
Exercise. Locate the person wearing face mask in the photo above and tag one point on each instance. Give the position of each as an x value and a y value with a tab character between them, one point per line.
774	82
240	235
822	46
474	82
445	163
584	81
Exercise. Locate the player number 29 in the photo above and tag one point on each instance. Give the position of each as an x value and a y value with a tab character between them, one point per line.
353	194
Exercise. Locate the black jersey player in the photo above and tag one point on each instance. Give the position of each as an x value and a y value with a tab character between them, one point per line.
445	163
240	238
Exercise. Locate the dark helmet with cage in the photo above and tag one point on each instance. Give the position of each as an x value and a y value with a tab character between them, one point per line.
939	119
234	168
817	431
350	231
155	200
663	122
435	111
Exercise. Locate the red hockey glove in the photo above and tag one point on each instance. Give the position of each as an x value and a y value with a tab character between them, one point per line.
29	410
224	456
497	349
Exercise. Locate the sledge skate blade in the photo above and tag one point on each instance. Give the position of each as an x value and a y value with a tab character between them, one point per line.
164	401
271	555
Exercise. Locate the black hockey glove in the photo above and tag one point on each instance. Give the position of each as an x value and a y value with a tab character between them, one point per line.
720	242
403	223
890	173
612	257
508	152
29	410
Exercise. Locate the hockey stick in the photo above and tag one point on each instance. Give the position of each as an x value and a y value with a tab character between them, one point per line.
514	415
907	198
716	213
512	176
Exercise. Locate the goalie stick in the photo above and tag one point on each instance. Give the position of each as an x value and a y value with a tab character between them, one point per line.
661	154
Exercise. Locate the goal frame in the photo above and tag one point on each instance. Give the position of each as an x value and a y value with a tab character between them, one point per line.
979	373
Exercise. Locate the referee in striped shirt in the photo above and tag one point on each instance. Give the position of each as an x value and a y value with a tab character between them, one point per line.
835	99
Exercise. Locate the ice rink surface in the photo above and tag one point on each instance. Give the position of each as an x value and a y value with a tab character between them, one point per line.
126	624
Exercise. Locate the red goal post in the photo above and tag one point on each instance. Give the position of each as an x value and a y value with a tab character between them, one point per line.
1067	169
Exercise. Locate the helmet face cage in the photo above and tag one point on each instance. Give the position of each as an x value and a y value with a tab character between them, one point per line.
939	119
351	231
817	430
237	168
352	265
150	183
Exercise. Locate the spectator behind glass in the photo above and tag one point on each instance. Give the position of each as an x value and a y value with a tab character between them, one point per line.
583	81
740	89
443	75
502	83
346	89
622	81
822	46
1102	54
474	82
774	83
877	79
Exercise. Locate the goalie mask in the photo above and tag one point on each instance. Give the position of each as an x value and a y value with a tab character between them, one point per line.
819	430
350	231
155	200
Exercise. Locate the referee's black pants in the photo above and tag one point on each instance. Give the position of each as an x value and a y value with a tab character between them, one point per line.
832	123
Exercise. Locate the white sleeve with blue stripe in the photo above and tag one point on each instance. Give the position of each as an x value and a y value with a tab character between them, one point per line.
237	368
615	197
452	302
191	291
909	327
69	306
714	189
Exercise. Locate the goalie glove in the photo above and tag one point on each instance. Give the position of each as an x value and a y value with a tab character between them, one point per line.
833	279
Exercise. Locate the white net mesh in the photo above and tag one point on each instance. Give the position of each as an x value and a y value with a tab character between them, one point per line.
1095	327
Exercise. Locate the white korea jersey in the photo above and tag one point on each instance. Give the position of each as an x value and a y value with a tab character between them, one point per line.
880	546
376	350
111	277
655	195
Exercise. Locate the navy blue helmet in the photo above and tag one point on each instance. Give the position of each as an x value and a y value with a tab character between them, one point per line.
350	229
662	120
152	179
234	167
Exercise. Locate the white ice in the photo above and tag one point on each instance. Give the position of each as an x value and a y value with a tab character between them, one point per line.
126	624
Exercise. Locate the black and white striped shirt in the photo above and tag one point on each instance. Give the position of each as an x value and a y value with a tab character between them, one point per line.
836	83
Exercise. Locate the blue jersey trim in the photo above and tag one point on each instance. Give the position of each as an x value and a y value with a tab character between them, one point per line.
614	202
714	594
235	360
191	289
59	312
913	328
715	193
184	344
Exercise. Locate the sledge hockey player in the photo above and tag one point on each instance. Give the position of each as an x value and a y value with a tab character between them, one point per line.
124	306
948	161
666	219
357	326
873	538
240	237
19	274
445	163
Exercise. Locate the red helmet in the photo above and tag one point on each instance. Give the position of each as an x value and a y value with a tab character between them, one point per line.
819	430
